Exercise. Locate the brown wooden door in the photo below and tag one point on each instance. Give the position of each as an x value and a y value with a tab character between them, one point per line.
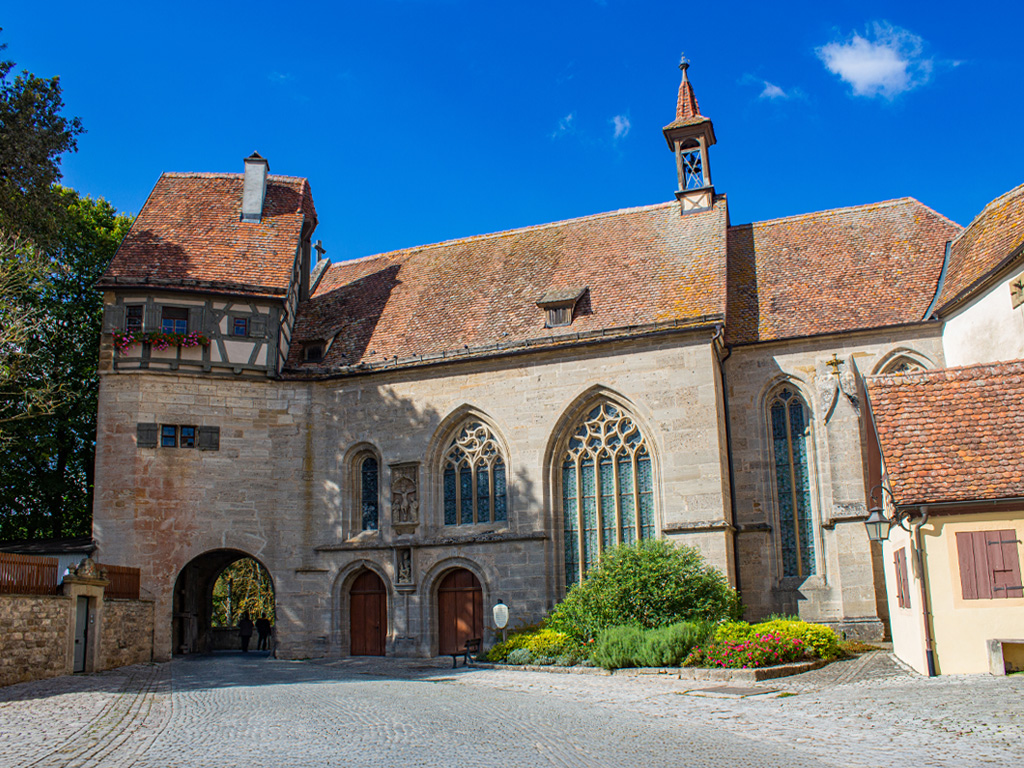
460	611
368	623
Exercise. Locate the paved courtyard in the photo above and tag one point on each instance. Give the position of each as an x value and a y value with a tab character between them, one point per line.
235	710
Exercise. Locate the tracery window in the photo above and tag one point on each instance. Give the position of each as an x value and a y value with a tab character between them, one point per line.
790	425
474	478
607	489
369	492
901	365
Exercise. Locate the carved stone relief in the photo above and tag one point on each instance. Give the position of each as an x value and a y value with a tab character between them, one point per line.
405	503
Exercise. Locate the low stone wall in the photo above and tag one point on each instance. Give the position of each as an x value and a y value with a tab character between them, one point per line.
33	637
126	634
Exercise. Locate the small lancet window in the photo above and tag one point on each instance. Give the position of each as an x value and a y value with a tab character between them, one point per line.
790	433
475	488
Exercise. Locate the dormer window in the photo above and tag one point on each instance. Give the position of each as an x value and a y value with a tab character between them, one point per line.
312	353
559	303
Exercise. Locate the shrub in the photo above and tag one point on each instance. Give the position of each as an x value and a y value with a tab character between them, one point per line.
567	660
646	585
539	642
618	647
519	656
669	646
819	640
733	632
757	651
543	661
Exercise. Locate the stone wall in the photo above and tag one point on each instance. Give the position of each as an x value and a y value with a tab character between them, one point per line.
126	633
280	487
34	637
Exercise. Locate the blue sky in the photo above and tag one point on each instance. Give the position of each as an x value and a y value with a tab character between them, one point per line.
423	120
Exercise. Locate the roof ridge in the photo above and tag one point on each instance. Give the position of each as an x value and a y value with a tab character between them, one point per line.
940	373
991	203
225	175
530	228
796	217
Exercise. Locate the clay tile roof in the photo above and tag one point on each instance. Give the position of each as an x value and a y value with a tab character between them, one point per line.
840	270
640	266
953	434
188	235
995	235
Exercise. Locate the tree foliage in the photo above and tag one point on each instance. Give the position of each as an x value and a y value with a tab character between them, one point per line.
243	587
646	585
33	136
48	378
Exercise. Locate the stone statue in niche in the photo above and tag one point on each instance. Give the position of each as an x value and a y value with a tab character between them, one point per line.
405	505
404	566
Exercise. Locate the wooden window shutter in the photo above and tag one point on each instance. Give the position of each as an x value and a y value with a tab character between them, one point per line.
197	320
209	439
902	579
113	319
152	318
146	435
258	326
1004	563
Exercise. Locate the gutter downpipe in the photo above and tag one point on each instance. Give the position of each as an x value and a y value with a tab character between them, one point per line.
719	333
929	645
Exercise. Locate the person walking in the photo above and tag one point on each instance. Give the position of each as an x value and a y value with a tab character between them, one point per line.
245	627
263	630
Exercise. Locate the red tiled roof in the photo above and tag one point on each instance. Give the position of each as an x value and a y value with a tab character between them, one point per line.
687	110
188	234
641	266
840	270
953	434
995	235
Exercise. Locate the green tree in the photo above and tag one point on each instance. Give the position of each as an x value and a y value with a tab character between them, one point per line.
243	587
33	136
49	384
646	585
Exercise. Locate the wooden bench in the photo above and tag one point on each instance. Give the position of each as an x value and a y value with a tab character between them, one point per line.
472	646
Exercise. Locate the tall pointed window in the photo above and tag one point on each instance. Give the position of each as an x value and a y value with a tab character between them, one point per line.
790	435
474	478
369	492
607	489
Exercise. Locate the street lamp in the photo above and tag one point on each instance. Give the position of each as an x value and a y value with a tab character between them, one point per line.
878	524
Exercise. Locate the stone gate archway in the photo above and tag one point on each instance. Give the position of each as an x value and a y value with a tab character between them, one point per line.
192	626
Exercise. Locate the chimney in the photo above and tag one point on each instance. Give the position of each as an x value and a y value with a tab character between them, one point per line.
254	189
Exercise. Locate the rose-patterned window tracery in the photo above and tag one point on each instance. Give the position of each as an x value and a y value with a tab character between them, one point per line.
474	478
607	489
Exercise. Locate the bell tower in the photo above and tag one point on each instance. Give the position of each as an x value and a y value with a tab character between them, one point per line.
689	136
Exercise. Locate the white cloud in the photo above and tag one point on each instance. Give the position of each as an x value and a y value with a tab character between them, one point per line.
772	91
622	126
887	61
564	125
279	77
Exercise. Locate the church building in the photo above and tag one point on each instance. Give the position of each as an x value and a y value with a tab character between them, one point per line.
405	439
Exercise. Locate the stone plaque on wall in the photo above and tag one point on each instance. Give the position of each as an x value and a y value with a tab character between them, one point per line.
405	501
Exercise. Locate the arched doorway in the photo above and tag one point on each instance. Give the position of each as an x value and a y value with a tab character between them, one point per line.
203	622
368	623
460	611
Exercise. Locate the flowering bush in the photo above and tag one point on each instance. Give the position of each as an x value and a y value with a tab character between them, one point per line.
757	651
538	642
124	340
819	640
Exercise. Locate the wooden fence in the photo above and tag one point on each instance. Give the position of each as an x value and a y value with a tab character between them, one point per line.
28	575
124	582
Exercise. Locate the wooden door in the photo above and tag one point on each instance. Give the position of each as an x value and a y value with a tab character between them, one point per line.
460	611
81	633
368	623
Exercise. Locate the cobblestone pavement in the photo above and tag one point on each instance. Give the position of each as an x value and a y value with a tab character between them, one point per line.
234	710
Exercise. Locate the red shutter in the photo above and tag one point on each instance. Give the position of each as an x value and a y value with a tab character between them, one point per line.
965	556
1005	563
902	579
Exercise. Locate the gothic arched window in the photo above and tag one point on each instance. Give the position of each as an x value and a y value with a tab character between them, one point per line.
607	489
369	492
790	425
474	478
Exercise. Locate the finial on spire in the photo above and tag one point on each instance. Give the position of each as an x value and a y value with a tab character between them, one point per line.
684	63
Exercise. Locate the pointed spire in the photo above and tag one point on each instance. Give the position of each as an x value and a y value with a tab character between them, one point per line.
686	107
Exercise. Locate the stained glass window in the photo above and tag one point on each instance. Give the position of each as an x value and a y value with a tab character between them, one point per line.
607	489
369	492
793	483
474	481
